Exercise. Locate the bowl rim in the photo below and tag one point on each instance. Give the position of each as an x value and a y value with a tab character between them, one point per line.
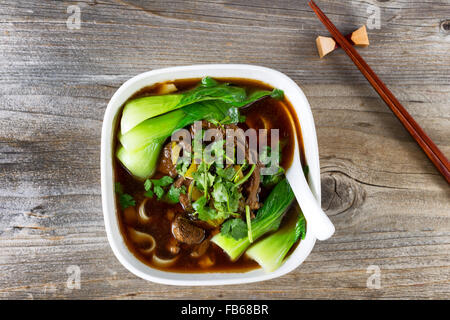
267	75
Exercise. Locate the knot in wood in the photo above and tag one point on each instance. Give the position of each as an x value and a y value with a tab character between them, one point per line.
340	193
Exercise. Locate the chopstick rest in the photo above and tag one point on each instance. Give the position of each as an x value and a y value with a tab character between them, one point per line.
325	45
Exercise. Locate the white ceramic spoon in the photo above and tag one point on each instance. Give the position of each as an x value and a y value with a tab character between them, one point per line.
318	222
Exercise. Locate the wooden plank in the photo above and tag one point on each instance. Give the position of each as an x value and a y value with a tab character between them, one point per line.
390	206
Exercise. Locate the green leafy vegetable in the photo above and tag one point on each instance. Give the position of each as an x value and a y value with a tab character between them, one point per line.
267	219
149	194
118	188
234	196
183	164
300	228
269	180
203	178
153	130
204	212
220	193
125	200
208	82
216	151
163	182
141	163
249	223
264	155
247	176
158	188
227	173
141	109
173	195
148	122
159	191
271	251
234	228
220	198
277	94
147	185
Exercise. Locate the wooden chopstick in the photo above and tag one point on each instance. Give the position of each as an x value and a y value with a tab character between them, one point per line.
427	145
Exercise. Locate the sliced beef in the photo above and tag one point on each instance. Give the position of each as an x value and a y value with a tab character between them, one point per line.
184	198
179	182
253	188
165	164
184	231
200	249
186	203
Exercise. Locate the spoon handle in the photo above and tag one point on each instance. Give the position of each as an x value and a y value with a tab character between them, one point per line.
317	221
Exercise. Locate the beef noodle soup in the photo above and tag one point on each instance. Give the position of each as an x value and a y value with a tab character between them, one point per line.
181	211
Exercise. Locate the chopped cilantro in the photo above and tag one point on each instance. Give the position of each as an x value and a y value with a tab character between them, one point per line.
215	152
183	164
220	193
203	212
149	193
163	182
235	228
272	180
203	178
118	188
173	195
147	185
227	173
126	201
159	191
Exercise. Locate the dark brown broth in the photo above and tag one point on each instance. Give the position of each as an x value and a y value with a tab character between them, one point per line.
160	226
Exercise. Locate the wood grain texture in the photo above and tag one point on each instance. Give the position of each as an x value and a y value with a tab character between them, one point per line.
390	206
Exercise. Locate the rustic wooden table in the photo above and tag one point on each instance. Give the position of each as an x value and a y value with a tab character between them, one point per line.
390	206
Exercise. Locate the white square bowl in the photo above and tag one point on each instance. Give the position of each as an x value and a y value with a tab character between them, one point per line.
271	77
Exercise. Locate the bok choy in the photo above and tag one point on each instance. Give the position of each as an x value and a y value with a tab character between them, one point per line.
147	122
141	109
141	163
268	218
139	149
271	251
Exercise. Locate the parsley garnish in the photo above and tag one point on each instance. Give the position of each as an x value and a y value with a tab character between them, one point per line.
149	194
118	188
227	173
159	191
235	228
125	200
163	182
173	195
183	164
158	185
147	185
